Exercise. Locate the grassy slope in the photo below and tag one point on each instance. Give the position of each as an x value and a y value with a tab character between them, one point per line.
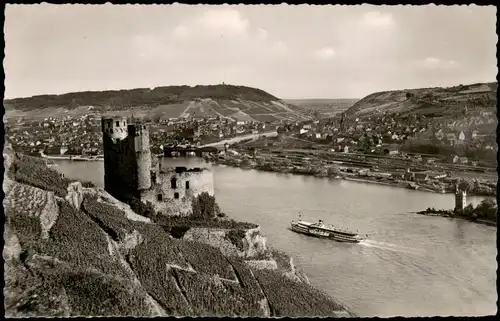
428	101
166	102
78	271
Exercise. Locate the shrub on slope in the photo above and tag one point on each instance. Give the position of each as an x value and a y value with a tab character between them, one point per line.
205	258
56	289
27	228
289	298
210	297
95	294
150	261
76	239
111	219
248	282
33	171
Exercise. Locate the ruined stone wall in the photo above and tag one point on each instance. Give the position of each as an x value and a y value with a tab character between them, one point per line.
253	242
176	199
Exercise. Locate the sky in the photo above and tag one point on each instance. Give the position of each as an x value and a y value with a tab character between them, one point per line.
302	51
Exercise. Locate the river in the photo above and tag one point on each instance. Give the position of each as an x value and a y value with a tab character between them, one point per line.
411	265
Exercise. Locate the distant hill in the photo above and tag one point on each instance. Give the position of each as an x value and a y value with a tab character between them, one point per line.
431	102
165	102
323	107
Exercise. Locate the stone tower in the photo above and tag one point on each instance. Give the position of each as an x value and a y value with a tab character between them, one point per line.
460	199
127	158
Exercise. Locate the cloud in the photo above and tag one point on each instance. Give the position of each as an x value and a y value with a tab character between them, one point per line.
181	31
222	30
262	34
279	48
378	19
223	21
436	63
325	53
147	46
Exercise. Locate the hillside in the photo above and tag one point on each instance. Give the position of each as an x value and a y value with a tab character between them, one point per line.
323	108
74	251
165	102
431	102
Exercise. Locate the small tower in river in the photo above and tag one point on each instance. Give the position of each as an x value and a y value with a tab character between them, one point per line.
460	198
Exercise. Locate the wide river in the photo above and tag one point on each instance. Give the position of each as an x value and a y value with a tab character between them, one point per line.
411	265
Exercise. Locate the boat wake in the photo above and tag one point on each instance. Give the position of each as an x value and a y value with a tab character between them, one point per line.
391	247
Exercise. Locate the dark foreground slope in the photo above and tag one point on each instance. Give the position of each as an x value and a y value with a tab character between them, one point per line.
69	251
238	102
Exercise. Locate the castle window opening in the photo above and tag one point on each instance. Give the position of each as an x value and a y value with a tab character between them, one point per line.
160	197
176	195
173	182
117	123
187	184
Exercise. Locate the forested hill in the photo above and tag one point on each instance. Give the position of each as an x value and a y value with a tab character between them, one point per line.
239	102
141	97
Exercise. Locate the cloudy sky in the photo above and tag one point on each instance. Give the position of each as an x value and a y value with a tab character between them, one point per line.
289	51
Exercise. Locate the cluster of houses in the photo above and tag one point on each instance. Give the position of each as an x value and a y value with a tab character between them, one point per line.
203	130
57	136
82	135
385	134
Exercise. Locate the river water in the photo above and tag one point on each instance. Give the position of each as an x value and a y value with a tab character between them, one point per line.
411	265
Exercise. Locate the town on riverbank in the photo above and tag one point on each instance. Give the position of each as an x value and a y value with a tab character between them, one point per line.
402	170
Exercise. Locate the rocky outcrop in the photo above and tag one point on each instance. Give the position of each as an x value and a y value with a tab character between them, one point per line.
34	202
131	240
49	214
75	194
105	197
253	242
262	264
12	249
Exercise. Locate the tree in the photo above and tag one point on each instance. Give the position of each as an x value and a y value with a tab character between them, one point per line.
466	184
246	162
468	211
487	209
334	170
144	209
204	207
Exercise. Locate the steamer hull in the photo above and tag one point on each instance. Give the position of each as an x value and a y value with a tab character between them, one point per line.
324	231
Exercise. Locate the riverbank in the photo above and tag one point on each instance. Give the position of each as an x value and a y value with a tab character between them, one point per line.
401	184
319	172
464	215
74	157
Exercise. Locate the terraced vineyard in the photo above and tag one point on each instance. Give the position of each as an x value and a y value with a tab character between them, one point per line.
66	261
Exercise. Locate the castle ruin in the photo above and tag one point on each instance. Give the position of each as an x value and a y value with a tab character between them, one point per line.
132	171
